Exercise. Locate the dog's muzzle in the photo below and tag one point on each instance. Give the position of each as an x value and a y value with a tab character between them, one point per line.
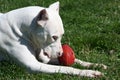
46	54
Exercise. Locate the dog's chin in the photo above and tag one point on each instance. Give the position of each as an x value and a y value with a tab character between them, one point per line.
43	57
47	58
48	55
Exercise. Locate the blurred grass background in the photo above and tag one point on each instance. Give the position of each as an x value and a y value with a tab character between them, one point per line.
92	29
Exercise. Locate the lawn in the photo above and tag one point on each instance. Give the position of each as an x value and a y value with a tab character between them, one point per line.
92	29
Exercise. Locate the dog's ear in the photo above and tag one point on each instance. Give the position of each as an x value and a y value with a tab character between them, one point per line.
55	6
42	17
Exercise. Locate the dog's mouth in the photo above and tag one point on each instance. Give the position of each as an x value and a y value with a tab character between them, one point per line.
46	54
37	54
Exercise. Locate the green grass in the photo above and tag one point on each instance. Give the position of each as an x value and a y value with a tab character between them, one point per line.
92	29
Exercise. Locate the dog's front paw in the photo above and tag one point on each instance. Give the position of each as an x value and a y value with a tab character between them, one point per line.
104	66
95	74
91	73
101	66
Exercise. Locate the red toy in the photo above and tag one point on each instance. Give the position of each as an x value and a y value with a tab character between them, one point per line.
68	56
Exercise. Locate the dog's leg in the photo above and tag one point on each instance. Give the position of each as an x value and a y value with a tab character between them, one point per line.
82	63
88	64
24	56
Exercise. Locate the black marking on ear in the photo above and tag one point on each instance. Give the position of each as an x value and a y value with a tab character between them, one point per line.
42	15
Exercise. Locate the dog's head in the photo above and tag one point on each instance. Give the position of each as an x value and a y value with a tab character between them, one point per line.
51	24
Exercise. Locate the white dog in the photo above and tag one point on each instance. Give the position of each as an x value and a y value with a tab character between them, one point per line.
33	34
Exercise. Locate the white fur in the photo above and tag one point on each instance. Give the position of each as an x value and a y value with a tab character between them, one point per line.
22	33
1	14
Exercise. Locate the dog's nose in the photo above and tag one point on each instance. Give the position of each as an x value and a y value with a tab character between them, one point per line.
59	54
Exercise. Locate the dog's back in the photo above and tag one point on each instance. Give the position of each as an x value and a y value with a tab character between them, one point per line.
1	14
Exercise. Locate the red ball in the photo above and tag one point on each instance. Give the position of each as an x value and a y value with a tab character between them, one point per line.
68	56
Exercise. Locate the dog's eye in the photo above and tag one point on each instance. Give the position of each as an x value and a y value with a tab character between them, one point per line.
55	37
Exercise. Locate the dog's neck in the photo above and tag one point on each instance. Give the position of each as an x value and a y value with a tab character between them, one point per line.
23	28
